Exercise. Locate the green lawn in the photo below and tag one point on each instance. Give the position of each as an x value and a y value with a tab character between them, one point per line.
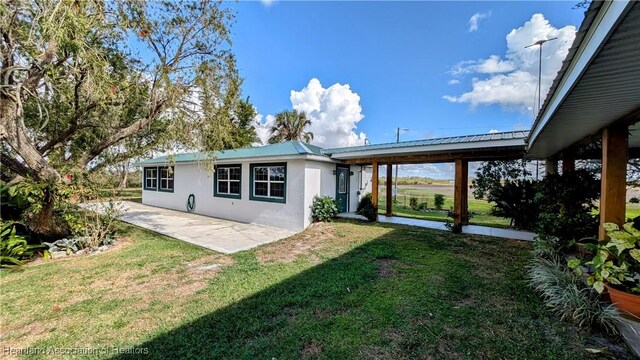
480	210
335	291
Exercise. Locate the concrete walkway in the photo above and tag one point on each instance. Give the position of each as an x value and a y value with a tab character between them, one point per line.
220	235
467	229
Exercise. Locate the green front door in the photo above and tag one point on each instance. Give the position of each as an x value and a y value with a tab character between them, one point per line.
342	188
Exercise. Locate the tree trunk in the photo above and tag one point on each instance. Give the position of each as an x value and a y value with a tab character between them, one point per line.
44	223
123	178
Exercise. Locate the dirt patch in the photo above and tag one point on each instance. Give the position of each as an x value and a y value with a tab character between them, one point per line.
177	284
310	350
302	244
466	302
385	268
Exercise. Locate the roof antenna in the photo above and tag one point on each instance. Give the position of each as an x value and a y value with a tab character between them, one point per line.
539	43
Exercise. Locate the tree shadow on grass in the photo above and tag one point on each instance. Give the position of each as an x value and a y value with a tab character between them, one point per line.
407	294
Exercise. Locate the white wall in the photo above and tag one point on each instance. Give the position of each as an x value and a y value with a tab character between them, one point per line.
193	179
319	181
305	179
360	184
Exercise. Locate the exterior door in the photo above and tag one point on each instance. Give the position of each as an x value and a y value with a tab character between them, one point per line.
342	188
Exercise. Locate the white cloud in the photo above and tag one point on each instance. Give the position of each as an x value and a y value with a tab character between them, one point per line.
453	82
474	21
493	131
267	2
511	80
334	113
263	127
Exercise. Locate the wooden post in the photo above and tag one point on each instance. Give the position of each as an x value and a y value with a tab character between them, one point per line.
389	211
461	192
615	154
374	183
550	167
568	163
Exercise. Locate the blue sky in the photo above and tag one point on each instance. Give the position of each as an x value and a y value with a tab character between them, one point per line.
396	56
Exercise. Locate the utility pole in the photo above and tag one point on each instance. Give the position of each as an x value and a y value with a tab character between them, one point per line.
539	43
395	197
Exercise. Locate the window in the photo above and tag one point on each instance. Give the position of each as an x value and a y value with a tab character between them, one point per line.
342	182
268	182
166	179
151	178
227	180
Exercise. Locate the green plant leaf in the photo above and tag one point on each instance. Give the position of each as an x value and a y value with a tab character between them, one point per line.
635	254
598	286
573	263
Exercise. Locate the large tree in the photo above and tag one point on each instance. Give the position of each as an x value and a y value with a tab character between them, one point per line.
81	79
290	126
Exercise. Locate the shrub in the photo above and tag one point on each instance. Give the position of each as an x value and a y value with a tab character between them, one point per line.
505	183
564	293
634	200
413	203
324	208
367	209
96	228
423	206
566	203
515	200
438	201
13	247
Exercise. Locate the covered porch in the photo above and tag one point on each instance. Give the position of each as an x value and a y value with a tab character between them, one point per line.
459	150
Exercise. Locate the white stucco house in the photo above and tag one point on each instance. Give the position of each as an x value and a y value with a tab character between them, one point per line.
270	185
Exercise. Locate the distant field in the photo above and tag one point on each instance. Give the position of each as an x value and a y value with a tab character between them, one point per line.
480	210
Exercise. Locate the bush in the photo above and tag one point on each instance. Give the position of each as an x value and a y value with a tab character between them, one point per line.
566	203
515	200
438	201
13	247
324	208
97	228
367	209
565	294
506	184
423	206
413	203
634	200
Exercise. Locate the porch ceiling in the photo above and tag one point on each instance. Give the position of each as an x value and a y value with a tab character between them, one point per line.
598	83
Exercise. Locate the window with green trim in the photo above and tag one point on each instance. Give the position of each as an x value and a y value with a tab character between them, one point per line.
166	179
227	180
151	178
268	182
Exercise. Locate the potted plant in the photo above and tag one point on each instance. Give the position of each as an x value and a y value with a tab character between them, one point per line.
615	266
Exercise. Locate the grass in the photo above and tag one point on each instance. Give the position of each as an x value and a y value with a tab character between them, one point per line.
128	194
335	291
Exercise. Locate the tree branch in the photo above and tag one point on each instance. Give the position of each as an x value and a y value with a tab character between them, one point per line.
121	134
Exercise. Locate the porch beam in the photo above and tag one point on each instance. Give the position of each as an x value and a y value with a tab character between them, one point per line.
550	167
389	211
615	153
461	192
374	183
437	158
568	163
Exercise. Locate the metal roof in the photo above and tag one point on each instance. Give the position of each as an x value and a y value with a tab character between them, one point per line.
597	83
290	148
437	144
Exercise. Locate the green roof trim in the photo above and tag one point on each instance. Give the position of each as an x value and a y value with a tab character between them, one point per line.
290	148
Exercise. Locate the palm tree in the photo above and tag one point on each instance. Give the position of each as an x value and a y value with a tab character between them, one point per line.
290	126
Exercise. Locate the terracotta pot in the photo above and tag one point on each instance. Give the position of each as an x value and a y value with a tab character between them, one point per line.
627	303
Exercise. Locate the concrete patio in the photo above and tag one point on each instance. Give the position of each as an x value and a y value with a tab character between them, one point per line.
220	235
438	225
